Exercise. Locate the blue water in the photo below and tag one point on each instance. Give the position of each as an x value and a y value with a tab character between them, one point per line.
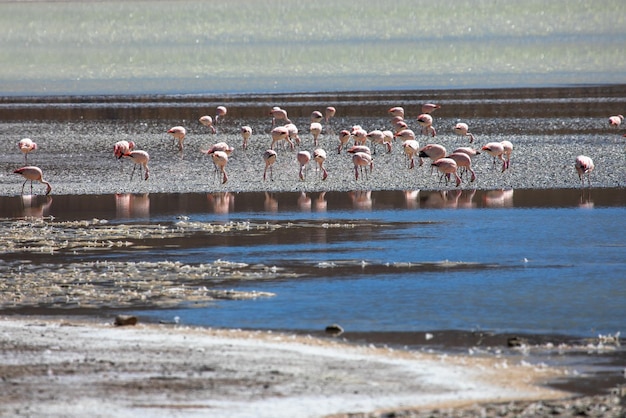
539	270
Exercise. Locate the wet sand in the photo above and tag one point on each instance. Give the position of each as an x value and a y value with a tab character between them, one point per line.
547	127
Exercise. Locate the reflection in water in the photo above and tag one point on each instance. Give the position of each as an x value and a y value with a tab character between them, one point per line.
499	198
31	208
410	197
361	199
270	203
304	202
585	199
320	203
129	205
222	202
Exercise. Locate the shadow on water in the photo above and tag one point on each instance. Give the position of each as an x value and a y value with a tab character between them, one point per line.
163	205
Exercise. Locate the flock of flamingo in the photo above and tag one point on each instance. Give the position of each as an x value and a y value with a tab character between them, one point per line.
456	163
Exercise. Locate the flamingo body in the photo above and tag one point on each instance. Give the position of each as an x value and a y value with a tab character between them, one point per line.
178	133
32	173
269	156
207	121
26	145
462	129
303	158
319	155
584	166
140	158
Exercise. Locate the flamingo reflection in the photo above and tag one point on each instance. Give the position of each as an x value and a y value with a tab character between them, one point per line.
221	202
31	208
129	205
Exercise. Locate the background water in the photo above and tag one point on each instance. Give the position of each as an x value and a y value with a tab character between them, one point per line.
249	46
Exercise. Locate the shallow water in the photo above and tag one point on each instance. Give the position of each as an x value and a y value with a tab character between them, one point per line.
528	261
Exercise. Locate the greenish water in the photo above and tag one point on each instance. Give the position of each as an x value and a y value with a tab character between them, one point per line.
247	46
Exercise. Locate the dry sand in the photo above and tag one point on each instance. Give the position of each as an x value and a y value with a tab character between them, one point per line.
77	368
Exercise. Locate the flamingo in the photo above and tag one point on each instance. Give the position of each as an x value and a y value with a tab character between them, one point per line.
280	133
319	155
344	137
178	133
360	160
269	156
432	151
496	150
430	107
329	113
246	133
32	173
140	158
507	150
278	114
303	158
122	147
26	145
405	135
467	150
207	121
220	113
316	116
377	137
615	121
220	159
399	125
293	132
462	129
359	134
411	147
219	146
584	165
426	122
396	111
464	161
447	166
316	130
360	148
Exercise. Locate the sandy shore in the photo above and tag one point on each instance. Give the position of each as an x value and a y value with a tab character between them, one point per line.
76	368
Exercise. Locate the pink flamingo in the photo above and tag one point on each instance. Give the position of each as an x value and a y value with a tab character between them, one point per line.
584	165
377	137
316	130
359	134
269	156
462	129
220	159
432	151
496	150
447	166
122	147
220	113
278	114
405	135
615	121
396	111
329	113
140	158
316	116
32	173
507	151
280	133
293	133
399	125
26	145
344	138
178	133
430	107
246	133
207	121
467	150
360	148
319	155
361	160
426	122
303	158
465	162
411	147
